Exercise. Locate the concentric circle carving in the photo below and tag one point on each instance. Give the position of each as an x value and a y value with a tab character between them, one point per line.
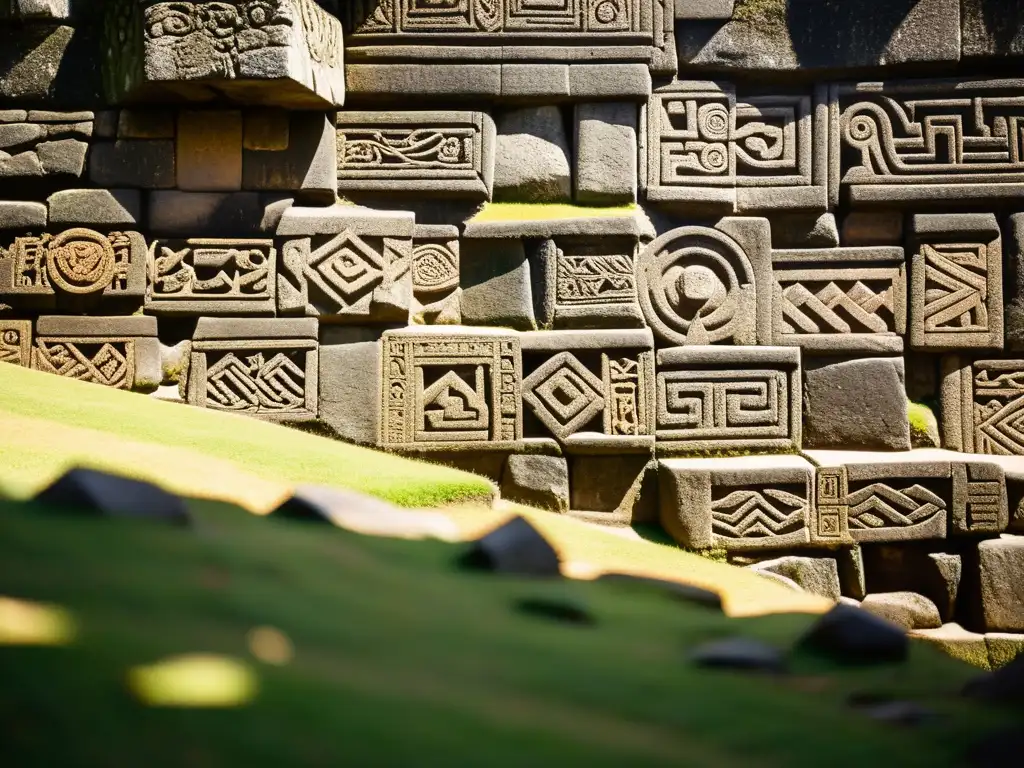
696	286
80	261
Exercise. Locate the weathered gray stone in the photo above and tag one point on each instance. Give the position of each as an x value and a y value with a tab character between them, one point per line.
16	134
266	129
855	404
907	609
609	81
992	28
495	280
174	360
22	215
144	163
904	567
606	153
817	575
955	641
466	81
189	214
804	230
306	165
534	80
614	489
146	124
66	156
740	504
804	34
350	360
979	499
1014	283
739	653
286	54
531	159
515	548
537	481
100	494
851	634
95	206
1001	573
851	571
40	9
333	220
621	223
209	151
691	10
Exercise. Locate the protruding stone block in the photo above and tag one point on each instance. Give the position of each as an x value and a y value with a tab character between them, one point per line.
1001	565
852	634
354	265
709	147
857	404
120	352
740	504
99	207
979	499
693	10
956	282
592	391
699	285
531	162
906	609
840	299
906	567
981	402
349	380
606	153
515	548
496	284
16	215
460	389
537	481
727	399
307	164
448	154
817	575
262	368
264	52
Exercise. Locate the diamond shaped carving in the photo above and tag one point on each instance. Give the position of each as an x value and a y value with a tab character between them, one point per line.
345	268
564	394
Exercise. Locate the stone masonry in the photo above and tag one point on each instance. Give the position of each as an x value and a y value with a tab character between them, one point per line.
681	261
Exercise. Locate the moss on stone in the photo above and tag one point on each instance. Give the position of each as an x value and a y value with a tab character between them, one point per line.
924	426
761	13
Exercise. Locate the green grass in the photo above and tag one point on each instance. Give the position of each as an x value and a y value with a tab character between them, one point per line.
401	659
546	211
268	451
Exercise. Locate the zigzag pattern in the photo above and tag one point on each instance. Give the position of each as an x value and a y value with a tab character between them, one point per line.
754	514
833	309
879	506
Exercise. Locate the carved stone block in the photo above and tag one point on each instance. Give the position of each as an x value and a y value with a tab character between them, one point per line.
983	405
927	142
264	52
435	261
699	285
840	299
979	499
73	267
592	391
16	342
442	153
880	497
262	368
211	277
587	282
710	147
443	392
956	282
352	267
739	504
120	352
728	398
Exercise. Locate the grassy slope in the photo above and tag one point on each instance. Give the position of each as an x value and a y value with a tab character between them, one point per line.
402	660
48	424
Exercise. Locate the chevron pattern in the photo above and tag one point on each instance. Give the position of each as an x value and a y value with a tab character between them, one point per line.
879	506
750	514
832	308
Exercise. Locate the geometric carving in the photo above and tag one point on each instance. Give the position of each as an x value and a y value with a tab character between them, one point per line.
831	512
262	368
439	391
267	52
840	299
956	299
728	398
346	276
211	276
979	498
16	342
435	265
768	517
444	153
110	362
589	388
697	285
707	146
40	270
921	141
983	406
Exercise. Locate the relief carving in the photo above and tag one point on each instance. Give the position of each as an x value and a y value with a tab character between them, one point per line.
16	342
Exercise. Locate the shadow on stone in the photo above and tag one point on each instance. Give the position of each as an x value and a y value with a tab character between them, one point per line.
89	492
1003	686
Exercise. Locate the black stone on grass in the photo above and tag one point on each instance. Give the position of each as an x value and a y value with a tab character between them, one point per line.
515	548
742	653
852	635
89	492
556	609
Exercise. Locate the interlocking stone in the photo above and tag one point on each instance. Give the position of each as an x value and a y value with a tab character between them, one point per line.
1001	572
496	284
606	153
537	481
531	158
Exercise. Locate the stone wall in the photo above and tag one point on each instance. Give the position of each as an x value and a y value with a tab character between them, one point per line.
635	260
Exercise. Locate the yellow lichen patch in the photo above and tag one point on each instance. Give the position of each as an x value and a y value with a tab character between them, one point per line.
194	680
23	622
546	211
